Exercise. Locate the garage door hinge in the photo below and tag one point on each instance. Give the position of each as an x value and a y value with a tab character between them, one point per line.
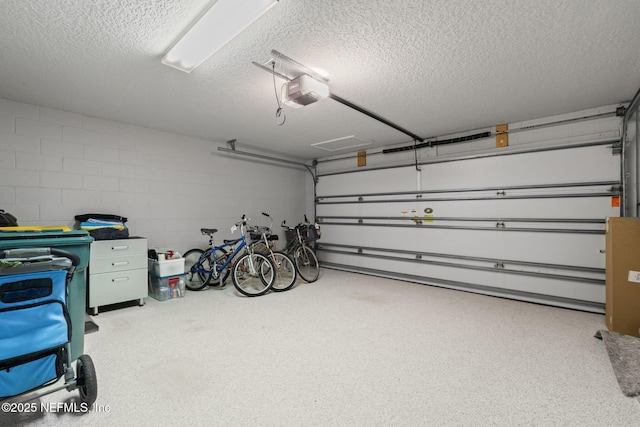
498	265
616	148
616	189
500	225
360	198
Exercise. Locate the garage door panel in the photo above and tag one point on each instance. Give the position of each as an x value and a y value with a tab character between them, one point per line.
454	242
569	207
590	291
580	250
586	250
367	182
596	163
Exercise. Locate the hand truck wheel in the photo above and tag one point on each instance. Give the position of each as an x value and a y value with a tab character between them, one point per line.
86	380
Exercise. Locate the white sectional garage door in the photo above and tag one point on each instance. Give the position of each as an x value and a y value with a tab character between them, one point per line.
527	225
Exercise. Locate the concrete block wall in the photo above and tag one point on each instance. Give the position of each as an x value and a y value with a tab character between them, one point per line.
56	164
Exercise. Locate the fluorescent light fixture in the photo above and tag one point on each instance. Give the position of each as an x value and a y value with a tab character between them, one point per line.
221	23
303	90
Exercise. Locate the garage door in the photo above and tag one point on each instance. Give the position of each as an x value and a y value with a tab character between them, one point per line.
528	225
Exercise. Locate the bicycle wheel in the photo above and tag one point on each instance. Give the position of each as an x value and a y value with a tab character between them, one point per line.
306	263
197	270
253	275
217	277
286	273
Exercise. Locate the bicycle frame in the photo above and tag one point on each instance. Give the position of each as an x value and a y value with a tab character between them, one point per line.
291	245
302	252
212	253
241	243
264	232
263	242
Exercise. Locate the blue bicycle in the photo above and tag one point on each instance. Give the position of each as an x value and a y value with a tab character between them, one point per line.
252	273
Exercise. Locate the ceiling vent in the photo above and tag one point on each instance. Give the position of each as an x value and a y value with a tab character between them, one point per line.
340	143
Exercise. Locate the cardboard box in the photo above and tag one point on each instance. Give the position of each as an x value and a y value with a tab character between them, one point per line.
622	304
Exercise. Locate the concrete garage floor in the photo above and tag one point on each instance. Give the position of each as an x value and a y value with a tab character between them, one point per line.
349	349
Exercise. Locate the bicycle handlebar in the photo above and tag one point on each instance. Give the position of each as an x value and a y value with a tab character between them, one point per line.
302	224
268	216
243	221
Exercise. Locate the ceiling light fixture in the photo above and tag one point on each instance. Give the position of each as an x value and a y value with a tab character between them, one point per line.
221	23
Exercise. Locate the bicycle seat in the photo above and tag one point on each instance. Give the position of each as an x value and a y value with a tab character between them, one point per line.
208	231
231	241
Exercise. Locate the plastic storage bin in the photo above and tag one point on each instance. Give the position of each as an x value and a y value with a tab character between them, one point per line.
164	288
164	268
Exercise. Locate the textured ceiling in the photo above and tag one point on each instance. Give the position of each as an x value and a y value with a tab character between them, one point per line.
432	67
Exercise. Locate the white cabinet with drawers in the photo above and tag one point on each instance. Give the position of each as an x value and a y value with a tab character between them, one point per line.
117	272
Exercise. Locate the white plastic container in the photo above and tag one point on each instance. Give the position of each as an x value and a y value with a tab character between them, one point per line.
169	267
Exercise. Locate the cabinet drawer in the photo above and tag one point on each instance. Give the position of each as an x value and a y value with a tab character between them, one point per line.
107	248
117	263
119	286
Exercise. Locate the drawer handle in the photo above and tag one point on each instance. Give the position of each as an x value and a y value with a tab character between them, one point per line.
119	248
119	263
120	279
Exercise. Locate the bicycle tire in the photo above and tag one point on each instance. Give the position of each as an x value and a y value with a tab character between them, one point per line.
306	263
195	278
217	278
251	276
286	273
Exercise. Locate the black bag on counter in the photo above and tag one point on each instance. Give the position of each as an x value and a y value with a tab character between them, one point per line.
7	220
109	233
104	232
100	217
